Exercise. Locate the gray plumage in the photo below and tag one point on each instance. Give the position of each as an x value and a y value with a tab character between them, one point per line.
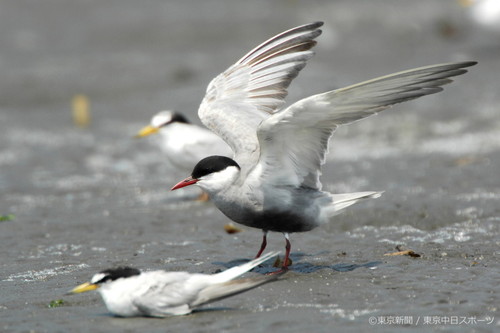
279	151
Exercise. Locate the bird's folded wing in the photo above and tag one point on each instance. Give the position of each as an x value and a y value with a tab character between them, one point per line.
249	91
294	142
167	293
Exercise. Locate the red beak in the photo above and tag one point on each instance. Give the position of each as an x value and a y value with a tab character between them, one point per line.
183	183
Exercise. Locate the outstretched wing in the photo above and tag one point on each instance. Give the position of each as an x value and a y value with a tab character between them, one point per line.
253	88
294	142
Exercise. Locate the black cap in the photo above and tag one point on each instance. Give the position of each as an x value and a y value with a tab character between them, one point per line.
212	164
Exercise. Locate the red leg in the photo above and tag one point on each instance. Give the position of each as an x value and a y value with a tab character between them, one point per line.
264	243
288	246
284	267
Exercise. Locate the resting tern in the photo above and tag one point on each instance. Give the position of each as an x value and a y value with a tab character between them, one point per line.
184	143
273	181
128	292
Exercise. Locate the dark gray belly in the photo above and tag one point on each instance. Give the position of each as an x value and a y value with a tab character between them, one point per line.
277	221
299	214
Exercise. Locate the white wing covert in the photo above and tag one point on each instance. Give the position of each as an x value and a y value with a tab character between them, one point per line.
294	142
253	88
168	293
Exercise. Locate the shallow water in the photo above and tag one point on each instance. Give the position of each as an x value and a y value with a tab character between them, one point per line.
87	199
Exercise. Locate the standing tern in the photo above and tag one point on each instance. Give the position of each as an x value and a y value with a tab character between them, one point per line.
128	292
273	181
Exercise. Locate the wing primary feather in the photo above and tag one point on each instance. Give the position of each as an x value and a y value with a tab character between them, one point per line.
306	31
234	272
223	290
254	88
222	285
294	141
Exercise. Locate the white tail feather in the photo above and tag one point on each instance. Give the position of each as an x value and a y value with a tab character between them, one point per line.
344	200
234	272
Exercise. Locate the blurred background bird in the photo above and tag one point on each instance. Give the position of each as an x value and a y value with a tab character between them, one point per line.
184	143
484	14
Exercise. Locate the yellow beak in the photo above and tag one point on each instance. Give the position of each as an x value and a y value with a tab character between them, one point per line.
148	130
84	287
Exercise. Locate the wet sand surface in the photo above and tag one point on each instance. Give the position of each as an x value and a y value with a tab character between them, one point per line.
85	199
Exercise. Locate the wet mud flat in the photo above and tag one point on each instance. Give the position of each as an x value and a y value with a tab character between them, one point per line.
76	200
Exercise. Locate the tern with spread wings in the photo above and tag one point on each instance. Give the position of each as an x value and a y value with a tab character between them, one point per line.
272	183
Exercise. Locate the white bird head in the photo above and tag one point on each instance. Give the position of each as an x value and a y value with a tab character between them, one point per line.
160	120
106	276
163	118
212	174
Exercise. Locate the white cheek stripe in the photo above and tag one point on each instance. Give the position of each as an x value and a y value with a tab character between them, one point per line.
97	277
217	181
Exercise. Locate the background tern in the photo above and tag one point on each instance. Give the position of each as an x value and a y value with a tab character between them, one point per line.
128	292
184	143
273	181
